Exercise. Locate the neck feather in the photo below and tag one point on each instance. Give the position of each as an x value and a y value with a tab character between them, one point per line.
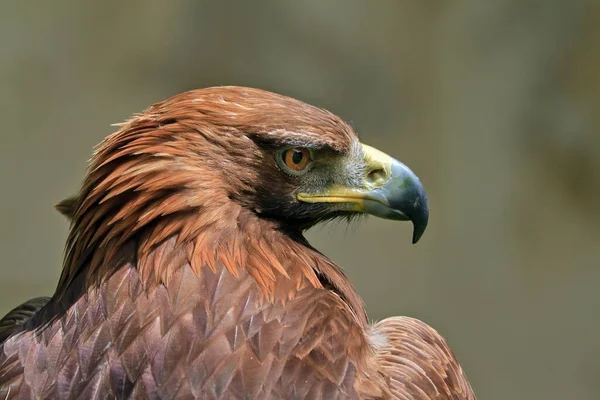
239	240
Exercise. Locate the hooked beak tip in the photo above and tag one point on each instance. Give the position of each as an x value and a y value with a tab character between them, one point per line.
418	229
411	199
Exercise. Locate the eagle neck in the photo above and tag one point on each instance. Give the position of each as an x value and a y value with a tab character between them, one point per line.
242	242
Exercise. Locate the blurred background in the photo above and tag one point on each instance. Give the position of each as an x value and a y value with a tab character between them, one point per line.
494	104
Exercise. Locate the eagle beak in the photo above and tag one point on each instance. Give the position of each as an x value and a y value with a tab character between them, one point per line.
389	189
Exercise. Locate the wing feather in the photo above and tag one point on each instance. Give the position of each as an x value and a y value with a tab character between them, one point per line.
418	362
19	315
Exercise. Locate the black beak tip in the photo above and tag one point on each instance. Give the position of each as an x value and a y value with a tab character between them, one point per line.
418	231
419	217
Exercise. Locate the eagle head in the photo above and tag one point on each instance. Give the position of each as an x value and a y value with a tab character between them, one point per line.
224	155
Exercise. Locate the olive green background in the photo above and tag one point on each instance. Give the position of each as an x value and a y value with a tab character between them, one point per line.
494	104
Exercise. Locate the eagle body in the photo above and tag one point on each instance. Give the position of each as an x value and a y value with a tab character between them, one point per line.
186	274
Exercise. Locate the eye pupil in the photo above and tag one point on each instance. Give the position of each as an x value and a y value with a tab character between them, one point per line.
297	157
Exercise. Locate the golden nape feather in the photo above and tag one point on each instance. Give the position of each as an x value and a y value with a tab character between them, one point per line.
187	275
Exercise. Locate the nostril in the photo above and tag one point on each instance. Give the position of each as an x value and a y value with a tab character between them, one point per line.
377	176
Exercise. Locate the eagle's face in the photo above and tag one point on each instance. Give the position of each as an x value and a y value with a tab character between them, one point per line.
284	160
302	185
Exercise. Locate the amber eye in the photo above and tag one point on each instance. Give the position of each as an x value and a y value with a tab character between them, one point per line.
296	159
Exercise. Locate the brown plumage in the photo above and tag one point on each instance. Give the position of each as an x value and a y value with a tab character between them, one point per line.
186	274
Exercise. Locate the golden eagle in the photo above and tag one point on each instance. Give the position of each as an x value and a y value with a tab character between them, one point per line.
187	275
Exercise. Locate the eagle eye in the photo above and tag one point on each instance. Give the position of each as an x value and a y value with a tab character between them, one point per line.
295	160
